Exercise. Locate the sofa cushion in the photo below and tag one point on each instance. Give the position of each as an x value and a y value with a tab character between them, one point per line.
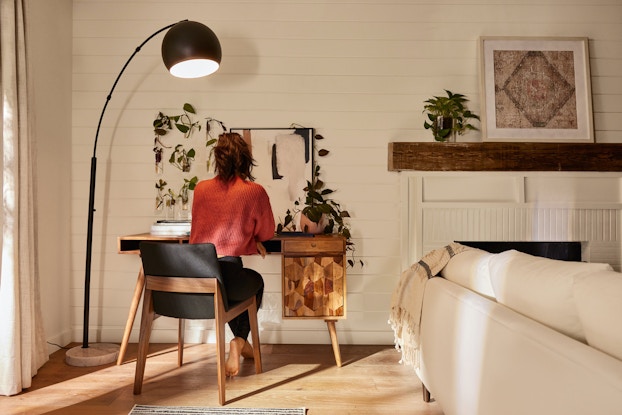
541	288
599	303
470	269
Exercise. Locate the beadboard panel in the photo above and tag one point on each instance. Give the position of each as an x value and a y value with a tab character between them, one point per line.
551	207
578	190
357	71
464	189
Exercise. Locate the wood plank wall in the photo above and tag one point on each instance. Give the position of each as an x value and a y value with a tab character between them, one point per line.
357	71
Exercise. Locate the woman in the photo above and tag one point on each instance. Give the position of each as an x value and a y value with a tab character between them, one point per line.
234	213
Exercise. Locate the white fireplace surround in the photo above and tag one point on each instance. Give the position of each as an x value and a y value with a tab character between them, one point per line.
440	207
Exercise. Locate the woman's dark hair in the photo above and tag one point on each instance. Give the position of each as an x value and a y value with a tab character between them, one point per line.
233	158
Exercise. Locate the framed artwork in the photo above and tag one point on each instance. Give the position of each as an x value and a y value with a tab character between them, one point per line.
284	158
535	89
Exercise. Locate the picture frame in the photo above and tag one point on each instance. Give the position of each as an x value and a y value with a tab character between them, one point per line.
535	89
284	163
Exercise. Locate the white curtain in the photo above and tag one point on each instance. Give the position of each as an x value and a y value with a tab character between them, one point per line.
22	340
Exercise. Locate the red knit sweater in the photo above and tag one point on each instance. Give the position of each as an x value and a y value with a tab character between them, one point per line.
233	216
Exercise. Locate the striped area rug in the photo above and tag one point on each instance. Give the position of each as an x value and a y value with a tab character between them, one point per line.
198	410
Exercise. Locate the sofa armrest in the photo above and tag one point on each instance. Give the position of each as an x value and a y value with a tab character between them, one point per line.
479	357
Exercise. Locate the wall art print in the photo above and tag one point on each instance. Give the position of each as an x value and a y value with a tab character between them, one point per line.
536	89
284	158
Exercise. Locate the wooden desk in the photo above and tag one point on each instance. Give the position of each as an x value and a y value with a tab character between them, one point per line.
313	284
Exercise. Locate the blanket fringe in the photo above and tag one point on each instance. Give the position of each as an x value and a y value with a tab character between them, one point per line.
406	336
407	301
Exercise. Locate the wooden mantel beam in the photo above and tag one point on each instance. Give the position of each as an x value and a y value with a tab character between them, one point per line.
487	156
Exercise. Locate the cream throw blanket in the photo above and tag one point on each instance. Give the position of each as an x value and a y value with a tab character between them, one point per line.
407	300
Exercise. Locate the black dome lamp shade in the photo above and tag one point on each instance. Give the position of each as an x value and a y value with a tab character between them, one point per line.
191	50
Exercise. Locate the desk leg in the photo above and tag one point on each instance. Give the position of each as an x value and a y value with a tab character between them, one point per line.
138	292
333	339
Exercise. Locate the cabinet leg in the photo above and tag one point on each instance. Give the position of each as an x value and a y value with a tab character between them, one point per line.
426	393
334	341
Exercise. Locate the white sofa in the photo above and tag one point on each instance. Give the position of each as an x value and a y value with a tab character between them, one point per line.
512	333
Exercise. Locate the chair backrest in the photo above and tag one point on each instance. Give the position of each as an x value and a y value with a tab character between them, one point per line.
187	261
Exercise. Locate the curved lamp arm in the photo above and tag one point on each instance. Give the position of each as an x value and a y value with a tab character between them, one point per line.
116	81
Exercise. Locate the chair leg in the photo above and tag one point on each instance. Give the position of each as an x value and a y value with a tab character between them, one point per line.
143	343
252	316
180	341
220	362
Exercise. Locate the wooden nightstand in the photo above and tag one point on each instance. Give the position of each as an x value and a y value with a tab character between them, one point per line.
314	281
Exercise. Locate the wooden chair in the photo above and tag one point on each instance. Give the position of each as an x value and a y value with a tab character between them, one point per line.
183	281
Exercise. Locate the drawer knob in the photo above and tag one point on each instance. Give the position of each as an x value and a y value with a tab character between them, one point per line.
313	245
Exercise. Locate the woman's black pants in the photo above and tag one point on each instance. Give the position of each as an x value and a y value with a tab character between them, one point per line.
240	283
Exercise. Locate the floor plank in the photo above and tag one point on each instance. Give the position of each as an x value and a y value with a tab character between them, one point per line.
370	381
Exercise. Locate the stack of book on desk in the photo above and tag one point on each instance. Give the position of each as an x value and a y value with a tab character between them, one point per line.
171	228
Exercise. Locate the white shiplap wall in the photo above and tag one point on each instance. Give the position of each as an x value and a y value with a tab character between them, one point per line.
357	71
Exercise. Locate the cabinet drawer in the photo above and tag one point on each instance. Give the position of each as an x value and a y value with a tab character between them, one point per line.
311	246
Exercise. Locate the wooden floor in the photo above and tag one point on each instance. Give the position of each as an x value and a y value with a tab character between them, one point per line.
371	381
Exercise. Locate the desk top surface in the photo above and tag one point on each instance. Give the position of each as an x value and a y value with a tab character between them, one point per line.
128	244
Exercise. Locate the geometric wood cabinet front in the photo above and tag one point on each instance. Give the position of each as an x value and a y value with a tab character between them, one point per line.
314	277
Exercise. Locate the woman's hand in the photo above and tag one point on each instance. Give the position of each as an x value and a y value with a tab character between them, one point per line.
261	249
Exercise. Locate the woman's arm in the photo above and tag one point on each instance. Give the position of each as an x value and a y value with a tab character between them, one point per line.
261	249
265	225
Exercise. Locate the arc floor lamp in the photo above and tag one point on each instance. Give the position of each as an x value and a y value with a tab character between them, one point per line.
189	50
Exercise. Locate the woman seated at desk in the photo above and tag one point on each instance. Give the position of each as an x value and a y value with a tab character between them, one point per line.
234	213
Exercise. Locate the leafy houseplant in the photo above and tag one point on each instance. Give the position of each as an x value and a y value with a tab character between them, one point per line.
320	210
319	205
448	116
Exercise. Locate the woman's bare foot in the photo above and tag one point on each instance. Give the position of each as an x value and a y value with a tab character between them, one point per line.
238	348
247	351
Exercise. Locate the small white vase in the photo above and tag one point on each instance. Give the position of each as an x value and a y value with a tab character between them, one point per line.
306	225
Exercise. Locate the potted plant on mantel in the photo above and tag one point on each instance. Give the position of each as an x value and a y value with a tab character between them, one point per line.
448	116
320	213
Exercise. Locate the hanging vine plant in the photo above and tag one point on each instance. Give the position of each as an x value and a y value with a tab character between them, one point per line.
186	188
180	154
164	123
182	122
211	138
160	186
